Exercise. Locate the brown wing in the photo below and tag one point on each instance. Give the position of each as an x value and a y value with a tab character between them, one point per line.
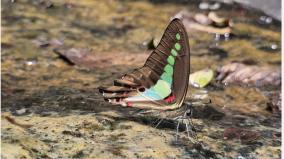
146	76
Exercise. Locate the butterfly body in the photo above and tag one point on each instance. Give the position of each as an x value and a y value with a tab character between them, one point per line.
163	80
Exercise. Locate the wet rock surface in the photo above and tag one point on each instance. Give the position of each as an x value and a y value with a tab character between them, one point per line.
55	111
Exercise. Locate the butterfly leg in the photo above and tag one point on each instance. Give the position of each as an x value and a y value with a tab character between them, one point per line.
190	129
159	123
154	123
177	129
193	129
187	129
187	124
190	126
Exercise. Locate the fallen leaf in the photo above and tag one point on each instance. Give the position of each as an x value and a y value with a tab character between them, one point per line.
210	23
246	136
86	58
252	75
14	122
201	78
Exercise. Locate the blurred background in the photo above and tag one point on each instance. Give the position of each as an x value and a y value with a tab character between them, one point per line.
55	53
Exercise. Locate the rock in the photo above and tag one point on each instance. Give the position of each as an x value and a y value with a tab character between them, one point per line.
21	111
44	42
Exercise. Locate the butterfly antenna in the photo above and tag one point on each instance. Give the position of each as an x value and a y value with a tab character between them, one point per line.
193	128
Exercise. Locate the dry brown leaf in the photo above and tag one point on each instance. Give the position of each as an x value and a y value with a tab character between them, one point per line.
246	136
210	23
84	57
14	122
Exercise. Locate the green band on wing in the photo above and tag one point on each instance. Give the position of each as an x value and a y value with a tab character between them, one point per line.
162	88
169	69
171	60
152	94
174	52
177	46
166	77
178	36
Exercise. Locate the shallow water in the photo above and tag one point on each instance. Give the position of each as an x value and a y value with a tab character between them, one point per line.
69	117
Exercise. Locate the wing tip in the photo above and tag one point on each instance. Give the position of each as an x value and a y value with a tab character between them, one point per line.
178	21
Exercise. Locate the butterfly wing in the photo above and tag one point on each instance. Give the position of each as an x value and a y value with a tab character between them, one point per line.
163	80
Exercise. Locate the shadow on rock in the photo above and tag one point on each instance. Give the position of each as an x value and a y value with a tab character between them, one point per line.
207	112
58	101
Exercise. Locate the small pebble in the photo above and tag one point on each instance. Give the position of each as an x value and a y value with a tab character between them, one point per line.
21	111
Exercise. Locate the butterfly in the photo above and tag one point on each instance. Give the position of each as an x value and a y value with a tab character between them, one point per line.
162	82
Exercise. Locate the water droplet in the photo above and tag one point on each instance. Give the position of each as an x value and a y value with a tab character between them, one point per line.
262	18
227	36
215	6
268	20
203	5
217	37
274	46
31	62
265	20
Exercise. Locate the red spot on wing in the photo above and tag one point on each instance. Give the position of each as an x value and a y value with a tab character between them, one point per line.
170	99
130	104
